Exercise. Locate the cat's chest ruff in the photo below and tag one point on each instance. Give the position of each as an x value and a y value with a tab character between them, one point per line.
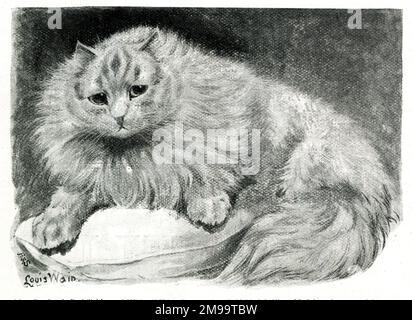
133	179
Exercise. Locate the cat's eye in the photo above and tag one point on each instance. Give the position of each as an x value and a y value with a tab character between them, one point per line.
98	98
137	90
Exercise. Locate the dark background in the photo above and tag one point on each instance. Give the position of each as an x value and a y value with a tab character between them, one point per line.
359	71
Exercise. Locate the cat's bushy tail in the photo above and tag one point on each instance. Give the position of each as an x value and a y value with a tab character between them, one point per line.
323	235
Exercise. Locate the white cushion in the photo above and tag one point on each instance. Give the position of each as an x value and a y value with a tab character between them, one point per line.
121	243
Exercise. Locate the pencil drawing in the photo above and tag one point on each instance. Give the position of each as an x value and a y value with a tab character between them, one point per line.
279	184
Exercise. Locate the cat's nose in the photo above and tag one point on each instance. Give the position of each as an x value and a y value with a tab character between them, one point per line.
119	110
119	121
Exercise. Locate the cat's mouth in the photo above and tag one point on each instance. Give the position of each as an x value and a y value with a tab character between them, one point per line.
123	132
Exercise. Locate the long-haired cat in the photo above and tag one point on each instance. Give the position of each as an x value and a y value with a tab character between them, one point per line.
322	199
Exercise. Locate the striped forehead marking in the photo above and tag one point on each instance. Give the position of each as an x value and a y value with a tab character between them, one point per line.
115	67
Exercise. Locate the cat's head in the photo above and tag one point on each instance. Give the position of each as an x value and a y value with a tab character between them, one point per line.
120	91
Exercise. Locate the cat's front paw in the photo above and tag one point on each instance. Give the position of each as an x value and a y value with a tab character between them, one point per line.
211	211
53	229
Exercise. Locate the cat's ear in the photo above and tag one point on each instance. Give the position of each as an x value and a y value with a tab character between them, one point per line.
148	40
84	53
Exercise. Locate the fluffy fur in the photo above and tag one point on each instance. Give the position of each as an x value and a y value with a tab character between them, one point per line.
322	198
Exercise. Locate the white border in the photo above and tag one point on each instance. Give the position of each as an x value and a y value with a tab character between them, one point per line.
389	278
